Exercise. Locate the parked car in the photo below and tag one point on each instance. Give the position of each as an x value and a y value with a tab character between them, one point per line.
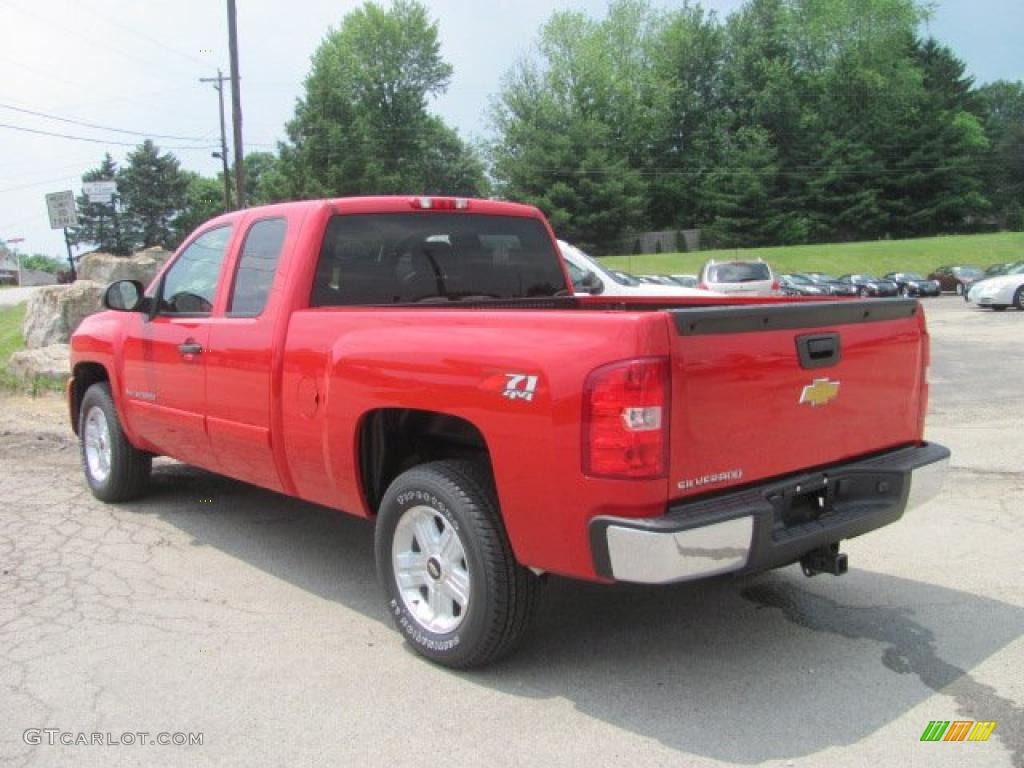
801	285
687	281
867	285
956	278
416	362
1001	291
590	277
992	270
912	284
738	277
835	287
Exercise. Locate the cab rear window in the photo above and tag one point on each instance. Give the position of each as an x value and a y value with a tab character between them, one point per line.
738	273
406	258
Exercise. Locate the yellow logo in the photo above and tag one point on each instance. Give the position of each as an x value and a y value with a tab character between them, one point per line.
820	392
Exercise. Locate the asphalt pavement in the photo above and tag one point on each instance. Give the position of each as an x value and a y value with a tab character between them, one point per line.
211	607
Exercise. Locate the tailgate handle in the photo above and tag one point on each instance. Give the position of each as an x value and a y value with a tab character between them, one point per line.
818	350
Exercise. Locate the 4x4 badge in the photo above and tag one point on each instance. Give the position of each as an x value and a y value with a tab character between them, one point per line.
519	386
819	392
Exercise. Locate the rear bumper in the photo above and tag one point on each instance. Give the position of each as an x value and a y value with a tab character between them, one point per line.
767	525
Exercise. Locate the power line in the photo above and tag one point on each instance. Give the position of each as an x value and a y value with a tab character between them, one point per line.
139	33
100	127
37	183
93	141
49	23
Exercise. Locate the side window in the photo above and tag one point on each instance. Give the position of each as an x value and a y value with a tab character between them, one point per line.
190	283
256	267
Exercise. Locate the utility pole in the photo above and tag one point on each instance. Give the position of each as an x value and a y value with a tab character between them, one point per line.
236	106
218	83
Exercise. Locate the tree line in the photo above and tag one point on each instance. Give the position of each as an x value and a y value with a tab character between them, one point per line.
789	121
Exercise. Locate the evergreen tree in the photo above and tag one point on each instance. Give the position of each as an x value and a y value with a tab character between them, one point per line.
102	225
153	190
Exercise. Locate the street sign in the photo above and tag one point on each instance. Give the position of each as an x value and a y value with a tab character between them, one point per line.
99	191
99	187
61	206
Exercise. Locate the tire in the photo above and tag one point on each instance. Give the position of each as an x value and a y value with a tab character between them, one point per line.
114	468
905	292
959	289
862	292
1018	298
442	520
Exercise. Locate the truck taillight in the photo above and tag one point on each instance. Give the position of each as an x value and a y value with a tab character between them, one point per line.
626	408
440	203
776	285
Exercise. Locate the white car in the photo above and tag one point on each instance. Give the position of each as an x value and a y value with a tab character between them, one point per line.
590	278
1001	291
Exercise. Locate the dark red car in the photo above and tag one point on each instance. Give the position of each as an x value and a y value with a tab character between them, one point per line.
956	278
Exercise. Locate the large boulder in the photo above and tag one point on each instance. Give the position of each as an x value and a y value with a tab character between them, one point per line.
52	362
55	311
105	268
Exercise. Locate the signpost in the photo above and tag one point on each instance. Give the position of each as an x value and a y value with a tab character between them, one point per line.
63	214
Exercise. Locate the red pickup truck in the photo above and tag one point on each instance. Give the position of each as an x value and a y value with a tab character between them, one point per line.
422	362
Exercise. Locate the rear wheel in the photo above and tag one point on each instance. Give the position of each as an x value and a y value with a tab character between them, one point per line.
114	468
862	292
1018	298
454	588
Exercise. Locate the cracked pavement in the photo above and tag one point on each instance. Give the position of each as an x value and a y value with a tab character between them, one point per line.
214	607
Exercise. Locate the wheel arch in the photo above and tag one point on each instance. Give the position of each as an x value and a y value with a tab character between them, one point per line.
83	376
392	440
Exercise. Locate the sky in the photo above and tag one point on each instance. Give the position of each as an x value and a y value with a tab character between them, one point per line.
136	66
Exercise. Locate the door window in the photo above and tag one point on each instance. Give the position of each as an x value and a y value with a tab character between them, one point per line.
256	267
191	282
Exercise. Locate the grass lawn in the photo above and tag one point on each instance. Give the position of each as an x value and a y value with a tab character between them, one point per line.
877	257
10	339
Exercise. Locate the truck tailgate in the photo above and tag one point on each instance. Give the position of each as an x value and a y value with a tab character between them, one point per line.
765	390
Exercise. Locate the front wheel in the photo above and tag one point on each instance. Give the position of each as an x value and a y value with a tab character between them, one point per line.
454	588
114	468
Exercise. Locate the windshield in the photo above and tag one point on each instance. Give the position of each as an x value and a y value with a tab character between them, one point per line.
583	261
967	271
1016	269
909	276
739	272
400	258
798	279
820	277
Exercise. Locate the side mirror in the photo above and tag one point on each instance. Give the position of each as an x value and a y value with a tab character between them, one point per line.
591	283
124	296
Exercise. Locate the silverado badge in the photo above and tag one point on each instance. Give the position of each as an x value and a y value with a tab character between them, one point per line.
820	392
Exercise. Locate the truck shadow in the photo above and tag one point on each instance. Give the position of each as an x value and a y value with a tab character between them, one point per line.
739	670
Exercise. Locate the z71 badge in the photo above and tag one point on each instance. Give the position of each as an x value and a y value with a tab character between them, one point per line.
520	386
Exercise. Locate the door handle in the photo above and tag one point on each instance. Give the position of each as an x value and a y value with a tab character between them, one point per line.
820	351
190	348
